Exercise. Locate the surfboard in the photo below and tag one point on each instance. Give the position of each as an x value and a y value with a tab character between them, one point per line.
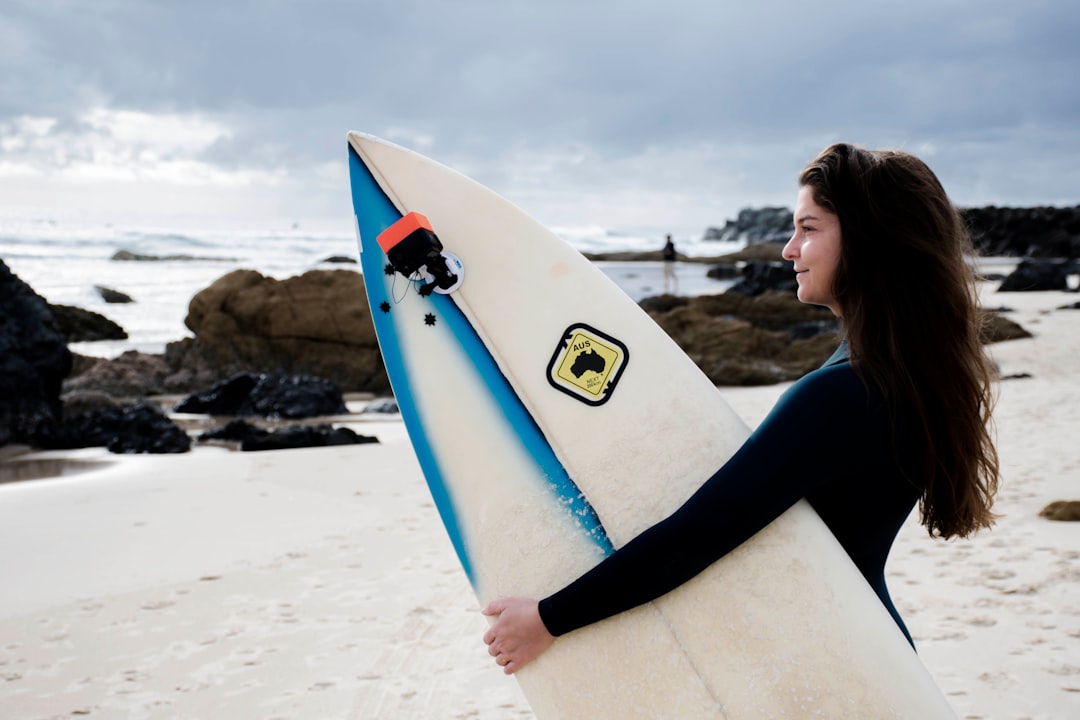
554	421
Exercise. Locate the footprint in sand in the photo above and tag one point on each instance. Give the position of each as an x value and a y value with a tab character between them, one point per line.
997	679
157	604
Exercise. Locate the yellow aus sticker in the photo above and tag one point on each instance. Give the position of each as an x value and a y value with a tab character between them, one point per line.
587	364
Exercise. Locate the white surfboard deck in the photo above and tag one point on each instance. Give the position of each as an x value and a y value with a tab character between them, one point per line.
509	433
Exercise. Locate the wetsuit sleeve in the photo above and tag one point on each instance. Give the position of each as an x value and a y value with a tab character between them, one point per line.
812	435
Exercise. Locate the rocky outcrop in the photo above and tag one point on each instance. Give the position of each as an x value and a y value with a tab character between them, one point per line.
113	296
138	428
755	226
738	339
252	438
273	395
759	276
314	324
80	325
1043	232
1040	275
34	360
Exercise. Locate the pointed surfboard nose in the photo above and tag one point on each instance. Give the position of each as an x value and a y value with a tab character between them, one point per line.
357	140
367	149
366	146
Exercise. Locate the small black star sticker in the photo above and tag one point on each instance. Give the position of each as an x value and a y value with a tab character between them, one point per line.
384	306
429	320
389	269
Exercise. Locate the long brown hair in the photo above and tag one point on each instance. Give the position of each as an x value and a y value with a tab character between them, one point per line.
908	303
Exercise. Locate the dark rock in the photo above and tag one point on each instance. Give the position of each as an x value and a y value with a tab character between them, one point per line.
252	438
1074	306
279	395
759	276
755	226
341	259
113	296
229	397
81	325
724	272
1037	275
316	324
1042	232
235	431
271	395
733	265
34	360
139	428
300	436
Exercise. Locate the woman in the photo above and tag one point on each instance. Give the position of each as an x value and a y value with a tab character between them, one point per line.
898	416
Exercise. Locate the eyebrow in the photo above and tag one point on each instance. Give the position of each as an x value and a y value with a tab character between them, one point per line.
804	218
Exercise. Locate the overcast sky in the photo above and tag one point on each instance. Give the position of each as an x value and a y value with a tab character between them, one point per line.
620	113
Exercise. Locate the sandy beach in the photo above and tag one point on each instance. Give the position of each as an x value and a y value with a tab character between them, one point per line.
319	583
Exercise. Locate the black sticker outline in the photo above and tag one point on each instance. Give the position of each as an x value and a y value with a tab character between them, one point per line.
564	341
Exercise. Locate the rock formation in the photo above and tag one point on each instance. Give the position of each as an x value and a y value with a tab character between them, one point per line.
315	324
268	395
34	360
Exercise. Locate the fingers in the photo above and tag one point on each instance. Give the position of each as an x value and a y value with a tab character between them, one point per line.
509	666
517	634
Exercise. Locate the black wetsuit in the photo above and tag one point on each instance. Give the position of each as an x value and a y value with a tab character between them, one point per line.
829	439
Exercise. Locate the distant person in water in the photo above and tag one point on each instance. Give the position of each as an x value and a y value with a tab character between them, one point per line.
898	416
671	280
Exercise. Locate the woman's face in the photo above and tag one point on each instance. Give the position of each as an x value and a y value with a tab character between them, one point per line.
815	250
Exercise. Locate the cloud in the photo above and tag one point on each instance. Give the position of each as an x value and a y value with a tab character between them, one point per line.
109	145
600	112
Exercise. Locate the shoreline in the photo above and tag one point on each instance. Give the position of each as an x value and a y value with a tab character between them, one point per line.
320	583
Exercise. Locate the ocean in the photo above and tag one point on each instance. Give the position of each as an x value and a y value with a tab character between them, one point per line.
63	257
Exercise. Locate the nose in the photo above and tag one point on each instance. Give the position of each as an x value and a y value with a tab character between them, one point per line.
791	249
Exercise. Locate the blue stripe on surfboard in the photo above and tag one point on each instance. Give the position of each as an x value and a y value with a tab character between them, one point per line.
375	213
